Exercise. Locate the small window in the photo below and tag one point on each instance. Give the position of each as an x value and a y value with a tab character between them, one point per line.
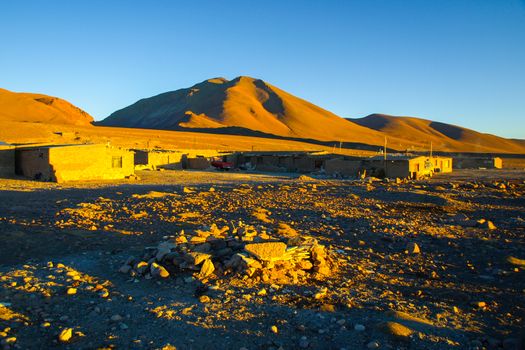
116	162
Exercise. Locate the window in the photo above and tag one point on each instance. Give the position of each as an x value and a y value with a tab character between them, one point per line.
116	162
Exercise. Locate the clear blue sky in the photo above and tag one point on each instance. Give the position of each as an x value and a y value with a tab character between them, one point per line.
455	61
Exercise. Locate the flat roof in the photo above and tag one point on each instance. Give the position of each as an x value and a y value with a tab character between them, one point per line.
35	147
396	157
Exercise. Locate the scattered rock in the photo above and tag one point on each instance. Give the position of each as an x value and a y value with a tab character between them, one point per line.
373	345
413	248
516	262
359	327
66	335
396	329
159	271
204	299
206	269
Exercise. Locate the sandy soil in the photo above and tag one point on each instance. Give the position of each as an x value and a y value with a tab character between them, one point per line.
460	291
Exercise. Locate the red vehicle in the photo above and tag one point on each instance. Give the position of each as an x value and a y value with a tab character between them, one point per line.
222	165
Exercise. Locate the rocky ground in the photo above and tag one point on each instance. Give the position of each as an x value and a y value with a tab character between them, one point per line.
209	260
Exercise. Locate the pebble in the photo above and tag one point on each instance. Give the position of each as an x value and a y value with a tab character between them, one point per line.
204	299
397	329
359	327
373	345
116	318
303	342
413	248
65	335
479	304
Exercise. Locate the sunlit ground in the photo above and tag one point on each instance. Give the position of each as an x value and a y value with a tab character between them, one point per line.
63	245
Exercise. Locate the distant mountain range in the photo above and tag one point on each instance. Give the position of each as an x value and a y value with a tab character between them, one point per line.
251	107
444	136
244	105
38	108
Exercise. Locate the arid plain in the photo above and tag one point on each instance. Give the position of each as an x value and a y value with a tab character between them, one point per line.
407	265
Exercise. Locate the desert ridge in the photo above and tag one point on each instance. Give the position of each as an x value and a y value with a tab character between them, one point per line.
40	108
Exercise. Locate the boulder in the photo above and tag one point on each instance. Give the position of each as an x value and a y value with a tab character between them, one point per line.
206	269
267	251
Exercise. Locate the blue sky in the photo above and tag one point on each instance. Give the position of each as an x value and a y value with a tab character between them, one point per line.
455	61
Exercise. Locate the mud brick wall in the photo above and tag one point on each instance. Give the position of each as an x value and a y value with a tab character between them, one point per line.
74	163
95	162
7	161
343	167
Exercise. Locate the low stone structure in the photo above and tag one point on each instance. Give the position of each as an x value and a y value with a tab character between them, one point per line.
151	159
442	164
248	251
394	166
198	159
61	163
7	160
478	162
301	162
197	163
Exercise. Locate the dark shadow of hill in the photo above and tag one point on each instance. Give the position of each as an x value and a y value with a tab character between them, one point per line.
452	131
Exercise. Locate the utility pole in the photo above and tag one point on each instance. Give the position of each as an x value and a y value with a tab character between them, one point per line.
384	156
384	150
430	149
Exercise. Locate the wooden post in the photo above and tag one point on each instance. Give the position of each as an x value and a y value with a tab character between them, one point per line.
384	156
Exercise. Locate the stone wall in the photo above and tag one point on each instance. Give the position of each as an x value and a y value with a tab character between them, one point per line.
7	161
75	162
476	163
343	167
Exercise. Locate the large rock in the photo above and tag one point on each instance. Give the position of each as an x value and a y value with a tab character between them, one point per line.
267	251
158	271
196	258
206	269
396	329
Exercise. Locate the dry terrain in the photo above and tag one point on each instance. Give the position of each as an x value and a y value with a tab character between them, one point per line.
205	260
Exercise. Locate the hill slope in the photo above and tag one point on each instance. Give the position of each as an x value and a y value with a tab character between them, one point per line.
38	108
417	131
243	102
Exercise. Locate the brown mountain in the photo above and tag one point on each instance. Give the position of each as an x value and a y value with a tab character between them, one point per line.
244	103
38	108
420	132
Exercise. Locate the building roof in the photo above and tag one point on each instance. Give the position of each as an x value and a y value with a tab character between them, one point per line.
283	153
48	146
396	157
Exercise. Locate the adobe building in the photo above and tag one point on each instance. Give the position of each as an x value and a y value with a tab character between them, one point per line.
152	159
442	164
301	162
395	166
61	163
197	159
478	163
7	160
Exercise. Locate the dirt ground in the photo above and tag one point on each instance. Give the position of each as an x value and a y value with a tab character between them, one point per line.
62	246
